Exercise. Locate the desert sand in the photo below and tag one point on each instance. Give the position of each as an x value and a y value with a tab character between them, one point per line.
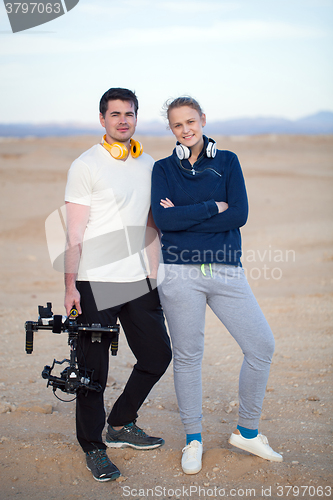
288	257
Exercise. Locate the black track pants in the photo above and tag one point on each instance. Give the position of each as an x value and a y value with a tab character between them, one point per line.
143	324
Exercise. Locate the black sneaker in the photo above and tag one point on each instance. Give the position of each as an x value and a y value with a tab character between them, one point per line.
131	436
101	466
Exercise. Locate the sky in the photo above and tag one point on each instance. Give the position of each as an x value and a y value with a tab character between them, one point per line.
239	58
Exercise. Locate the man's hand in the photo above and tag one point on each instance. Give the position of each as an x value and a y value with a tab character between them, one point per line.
222	206
72	299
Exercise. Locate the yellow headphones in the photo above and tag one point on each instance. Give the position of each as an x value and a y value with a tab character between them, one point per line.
118	151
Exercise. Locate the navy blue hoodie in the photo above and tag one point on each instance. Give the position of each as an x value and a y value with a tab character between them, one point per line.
193	232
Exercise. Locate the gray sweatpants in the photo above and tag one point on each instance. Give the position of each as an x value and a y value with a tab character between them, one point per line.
184	292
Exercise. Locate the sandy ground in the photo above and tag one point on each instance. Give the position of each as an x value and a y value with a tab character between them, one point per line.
288	257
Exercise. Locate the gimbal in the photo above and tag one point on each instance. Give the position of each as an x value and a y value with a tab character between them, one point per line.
73	378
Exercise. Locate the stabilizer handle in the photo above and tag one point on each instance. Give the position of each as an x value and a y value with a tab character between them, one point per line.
29	336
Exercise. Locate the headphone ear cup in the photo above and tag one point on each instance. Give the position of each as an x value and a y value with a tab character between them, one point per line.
211	149
183	152
214	150
118	151
136	148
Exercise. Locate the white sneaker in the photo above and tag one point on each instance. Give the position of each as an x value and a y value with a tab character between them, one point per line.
191	459
258	446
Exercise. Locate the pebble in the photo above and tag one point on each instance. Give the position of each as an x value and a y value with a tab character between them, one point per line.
121	479
5	407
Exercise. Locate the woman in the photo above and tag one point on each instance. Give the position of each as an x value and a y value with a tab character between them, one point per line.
199	202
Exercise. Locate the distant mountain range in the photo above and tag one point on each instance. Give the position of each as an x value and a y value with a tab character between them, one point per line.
319	123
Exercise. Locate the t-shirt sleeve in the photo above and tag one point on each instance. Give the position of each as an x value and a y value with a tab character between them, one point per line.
79	184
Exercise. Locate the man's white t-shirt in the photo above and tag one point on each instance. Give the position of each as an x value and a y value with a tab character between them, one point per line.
118	194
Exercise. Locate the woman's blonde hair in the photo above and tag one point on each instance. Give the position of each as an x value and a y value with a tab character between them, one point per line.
171	104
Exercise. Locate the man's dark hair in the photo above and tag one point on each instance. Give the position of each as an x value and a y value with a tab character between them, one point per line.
117	93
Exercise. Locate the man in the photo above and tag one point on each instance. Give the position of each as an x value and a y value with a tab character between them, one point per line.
108	209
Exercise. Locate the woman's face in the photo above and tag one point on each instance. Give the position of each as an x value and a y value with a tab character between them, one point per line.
186	124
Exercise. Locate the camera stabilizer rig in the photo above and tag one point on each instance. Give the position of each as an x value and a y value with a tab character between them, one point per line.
72	379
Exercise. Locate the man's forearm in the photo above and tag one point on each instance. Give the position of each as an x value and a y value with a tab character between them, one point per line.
152	246
72	296
77	218
70	281
72	262
153	249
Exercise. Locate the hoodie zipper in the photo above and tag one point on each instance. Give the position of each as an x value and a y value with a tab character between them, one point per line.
193	171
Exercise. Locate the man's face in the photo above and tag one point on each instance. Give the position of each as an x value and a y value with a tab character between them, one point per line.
119	121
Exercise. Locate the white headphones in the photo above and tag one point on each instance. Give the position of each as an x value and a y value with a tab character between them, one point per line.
184	153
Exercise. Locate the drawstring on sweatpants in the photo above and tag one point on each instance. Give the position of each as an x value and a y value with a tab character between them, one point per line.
204	272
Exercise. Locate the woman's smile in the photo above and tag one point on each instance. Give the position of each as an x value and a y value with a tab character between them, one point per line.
186	124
